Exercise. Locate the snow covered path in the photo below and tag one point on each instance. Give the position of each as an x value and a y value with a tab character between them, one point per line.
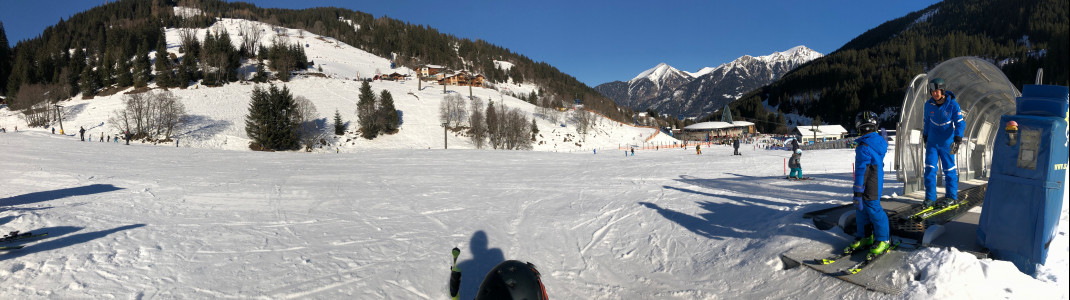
163	222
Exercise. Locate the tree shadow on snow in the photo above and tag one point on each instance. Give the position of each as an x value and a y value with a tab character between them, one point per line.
203	127
36	197
483	259
59	237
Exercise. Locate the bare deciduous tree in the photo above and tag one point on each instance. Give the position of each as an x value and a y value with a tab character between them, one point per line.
309	131
35	101
584	121
452	111
516	130
150	115
477	123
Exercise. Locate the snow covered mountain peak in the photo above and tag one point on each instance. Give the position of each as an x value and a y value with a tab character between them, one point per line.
797	54
661	73
675	92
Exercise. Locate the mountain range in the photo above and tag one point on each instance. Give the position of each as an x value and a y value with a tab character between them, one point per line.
668	90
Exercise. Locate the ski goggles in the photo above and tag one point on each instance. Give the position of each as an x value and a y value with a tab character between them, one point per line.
933	87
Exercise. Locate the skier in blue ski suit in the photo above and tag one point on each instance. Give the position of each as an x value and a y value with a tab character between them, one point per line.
944	126
868	183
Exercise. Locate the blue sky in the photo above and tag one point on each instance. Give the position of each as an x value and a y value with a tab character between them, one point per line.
595	41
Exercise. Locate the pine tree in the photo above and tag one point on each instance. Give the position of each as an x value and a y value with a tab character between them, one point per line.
387	113
75	66
124	76
89	82
258	122
106	70
272	122
5	60
261	72
534	129
492	125
339	127
186	71
142	68
287	126
163	65
366	112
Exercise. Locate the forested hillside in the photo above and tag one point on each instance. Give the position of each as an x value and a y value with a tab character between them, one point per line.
872	71
132	28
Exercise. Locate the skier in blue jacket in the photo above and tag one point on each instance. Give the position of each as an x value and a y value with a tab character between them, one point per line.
869	180
944	126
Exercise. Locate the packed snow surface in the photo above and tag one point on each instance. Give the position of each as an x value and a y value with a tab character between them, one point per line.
144	221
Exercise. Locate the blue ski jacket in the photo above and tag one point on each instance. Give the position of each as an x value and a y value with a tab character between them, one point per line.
943	122
869	165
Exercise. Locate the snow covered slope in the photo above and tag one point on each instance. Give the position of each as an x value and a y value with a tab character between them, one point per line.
218	113
147	222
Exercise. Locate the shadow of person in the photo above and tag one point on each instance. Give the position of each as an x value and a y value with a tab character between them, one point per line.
483	260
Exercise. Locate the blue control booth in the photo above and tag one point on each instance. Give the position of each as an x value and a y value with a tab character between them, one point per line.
1028	177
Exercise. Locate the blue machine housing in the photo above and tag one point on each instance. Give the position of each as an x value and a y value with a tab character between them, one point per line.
1025	190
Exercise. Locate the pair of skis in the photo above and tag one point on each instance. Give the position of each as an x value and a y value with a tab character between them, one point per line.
16	236
857	267
932	211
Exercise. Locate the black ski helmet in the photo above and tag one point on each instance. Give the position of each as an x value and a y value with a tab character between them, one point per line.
866	122
936	84
514	280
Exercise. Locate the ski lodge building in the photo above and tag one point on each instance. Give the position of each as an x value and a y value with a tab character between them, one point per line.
463	79
431	71
820	133
706	131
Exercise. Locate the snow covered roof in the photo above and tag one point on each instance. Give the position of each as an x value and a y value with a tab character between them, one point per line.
822	130
717	125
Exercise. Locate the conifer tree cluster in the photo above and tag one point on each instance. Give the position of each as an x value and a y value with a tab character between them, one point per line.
377	115
284	59
273	122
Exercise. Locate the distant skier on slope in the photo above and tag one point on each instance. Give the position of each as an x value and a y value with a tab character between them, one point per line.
868	182
735	144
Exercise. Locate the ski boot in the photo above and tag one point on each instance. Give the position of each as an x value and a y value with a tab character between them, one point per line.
858	244
928	204
878	249
945	202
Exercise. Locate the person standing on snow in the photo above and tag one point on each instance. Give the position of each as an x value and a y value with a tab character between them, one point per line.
81	133
795	163
942	134
868	182
735	144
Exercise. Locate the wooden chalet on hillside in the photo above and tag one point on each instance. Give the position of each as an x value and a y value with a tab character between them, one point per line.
463	79
431	71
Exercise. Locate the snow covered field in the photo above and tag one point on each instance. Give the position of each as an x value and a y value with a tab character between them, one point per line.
149	222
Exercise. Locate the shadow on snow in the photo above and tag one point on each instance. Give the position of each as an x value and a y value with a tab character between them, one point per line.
746	206
59	237
483	259
36	197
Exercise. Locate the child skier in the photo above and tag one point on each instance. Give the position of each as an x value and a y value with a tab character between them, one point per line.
869	180
795	163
